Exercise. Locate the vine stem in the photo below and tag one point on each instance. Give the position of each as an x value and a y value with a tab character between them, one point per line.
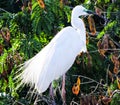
91	80
104	49
107	73
1	9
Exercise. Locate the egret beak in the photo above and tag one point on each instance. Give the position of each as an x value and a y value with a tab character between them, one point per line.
89	12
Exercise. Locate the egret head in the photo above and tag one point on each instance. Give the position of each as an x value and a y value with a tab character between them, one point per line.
79	11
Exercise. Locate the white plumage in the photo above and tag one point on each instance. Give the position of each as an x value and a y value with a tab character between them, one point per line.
57	57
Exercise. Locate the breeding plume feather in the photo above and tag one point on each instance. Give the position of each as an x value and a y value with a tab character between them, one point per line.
57	57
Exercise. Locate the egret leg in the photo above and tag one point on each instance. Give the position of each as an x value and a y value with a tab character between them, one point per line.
51	93
63	90
35	103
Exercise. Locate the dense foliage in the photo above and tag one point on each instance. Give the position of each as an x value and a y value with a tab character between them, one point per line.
26	26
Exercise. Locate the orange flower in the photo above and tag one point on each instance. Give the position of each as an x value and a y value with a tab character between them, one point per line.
78	81
76	87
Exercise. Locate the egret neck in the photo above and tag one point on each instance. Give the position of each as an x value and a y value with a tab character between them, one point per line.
79	26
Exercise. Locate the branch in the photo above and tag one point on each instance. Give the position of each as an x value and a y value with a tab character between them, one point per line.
74	103
87	78
104	49
1	9
114	92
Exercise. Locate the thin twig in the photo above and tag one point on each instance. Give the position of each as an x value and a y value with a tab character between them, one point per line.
87	78
73	102
87	82
114	92
111	12
115	42
104	49
17	103
95	89
1	9
107	72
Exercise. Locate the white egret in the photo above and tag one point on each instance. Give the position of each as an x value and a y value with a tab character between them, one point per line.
57	57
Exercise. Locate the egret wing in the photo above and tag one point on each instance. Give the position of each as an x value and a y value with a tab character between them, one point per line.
53	60
64	49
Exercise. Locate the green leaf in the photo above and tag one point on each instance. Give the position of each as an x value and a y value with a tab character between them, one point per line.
106	28
34	6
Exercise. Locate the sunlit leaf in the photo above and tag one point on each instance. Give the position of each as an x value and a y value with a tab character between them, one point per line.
118	82
107	27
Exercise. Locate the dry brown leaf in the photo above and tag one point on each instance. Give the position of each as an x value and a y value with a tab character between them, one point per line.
87	38
106	100
103	45
91	25
89	60
1	49
41	3
112	45
98	11
114	59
